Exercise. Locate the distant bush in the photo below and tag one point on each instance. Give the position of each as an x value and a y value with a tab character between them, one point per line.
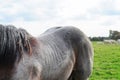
98	38
115	35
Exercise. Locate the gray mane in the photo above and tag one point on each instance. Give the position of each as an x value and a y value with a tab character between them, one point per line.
13	42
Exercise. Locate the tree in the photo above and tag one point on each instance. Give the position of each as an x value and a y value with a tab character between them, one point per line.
114	34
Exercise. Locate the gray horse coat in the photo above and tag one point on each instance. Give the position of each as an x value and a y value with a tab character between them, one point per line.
60	53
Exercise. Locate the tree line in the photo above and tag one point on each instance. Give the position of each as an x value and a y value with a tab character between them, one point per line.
115	35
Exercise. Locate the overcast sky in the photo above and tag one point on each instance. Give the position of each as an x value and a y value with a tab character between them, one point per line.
93	17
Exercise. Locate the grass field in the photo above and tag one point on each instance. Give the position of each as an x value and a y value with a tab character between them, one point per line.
106	62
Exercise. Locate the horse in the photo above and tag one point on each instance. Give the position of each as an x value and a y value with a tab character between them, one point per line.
60	53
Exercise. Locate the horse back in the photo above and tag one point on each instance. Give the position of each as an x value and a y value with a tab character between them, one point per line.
71	47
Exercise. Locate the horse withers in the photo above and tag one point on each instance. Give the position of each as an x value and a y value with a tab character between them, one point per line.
60	53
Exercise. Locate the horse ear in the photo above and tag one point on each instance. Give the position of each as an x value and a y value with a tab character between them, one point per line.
33	41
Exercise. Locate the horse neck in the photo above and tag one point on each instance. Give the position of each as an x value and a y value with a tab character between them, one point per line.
28	69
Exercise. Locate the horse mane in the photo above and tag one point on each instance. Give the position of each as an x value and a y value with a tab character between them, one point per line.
13	43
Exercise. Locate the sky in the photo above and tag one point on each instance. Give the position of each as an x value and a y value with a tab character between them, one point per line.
93	17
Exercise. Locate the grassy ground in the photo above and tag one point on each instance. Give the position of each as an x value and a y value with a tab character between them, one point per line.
106	62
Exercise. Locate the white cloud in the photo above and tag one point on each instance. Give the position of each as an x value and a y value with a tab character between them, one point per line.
117	4
94	17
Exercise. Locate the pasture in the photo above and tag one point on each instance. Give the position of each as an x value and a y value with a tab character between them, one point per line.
106	62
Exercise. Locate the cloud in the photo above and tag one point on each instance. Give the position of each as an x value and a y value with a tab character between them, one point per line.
38	15
45	9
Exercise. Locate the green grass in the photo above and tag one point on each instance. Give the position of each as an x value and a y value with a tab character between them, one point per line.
106	62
